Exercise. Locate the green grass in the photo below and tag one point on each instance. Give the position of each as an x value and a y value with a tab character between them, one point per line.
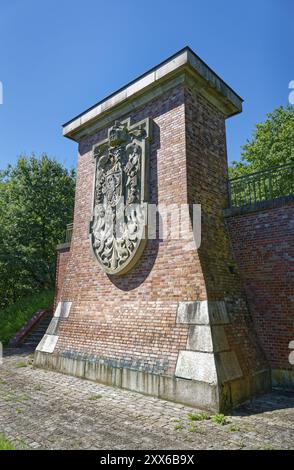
234	428
198	416
219	419
178	427
21	364
192	427
15	316
16	398
5	444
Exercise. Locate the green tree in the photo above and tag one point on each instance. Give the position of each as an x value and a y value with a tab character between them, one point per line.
36	203
272	144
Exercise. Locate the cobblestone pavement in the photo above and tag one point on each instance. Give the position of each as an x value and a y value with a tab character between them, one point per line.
46	410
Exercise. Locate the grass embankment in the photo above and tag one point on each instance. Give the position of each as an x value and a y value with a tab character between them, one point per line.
16	315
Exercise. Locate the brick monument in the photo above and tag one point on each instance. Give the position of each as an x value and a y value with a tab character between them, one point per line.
144	312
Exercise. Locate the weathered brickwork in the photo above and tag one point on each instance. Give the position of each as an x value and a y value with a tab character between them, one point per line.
263	243
61	264
132	318
207	175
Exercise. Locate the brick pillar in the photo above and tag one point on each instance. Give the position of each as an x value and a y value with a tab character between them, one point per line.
175	324
222	345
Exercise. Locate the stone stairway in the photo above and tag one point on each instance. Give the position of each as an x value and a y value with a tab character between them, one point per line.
37	332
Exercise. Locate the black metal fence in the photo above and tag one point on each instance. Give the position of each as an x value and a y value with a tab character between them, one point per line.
263	185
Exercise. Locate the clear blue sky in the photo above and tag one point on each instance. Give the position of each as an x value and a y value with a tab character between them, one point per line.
57	58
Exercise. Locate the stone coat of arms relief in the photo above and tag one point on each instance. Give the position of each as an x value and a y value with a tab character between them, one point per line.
118	230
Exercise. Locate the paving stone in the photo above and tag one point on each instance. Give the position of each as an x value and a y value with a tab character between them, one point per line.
47	410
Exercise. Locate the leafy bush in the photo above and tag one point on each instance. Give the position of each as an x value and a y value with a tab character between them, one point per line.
36	203
272	144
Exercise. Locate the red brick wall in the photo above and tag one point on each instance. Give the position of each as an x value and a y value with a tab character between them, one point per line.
61	264
132	318
207	185
263	244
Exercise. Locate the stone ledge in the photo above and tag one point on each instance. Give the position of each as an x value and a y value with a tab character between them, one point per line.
202	312
63	309
259	206
63	247
47	343
208	82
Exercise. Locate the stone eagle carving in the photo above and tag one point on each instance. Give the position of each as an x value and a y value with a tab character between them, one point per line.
118	229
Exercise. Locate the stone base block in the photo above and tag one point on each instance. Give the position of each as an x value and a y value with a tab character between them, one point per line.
198	394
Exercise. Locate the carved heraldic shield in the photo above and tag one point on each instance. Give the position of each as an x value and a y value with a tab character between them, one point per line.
118	229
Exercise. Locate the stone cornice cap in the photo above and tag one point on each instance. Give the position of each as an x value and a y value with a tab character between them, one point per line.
185	63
